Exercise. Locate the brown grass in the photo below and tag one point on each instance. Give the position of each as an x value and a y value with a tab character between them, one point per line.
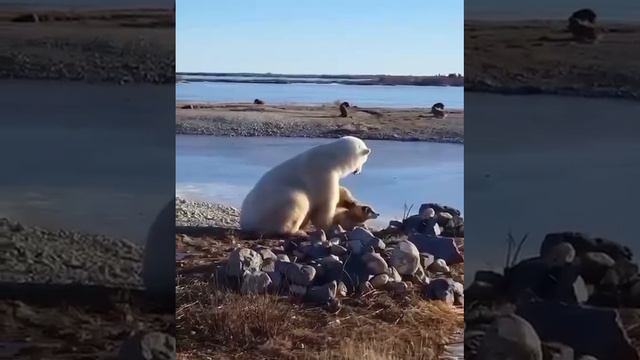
216	324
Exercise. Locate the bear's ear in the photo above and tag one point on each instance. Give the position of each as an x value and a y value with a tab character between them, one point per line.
364	152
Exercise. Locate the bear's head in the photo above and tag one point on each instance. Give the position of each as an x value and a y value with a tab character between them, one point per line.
352	153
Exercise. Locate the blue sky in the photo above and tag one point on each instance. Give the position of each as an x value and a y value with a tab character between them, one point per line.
412	37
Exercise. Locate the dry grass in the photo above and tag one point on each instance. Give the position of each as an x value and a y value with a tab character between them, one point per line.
215	324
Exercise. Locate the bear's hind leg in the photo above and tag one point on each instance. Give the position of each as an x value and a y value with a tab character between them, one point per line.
291	216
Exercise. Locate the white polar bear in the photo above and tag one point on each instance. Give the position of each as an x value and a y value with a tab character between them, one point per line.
303	187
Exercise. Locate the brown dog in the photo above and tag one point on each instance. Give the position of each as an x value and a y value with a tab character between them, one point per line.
354	216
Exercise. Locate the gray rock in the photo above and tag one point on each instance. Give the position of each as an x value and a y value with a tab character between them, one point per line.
419	277
315	250
594	265
366	238
556	351
355	246
440	289
296	273
441	247
375	263
276	282
510	337
297	290
269	265
573	325
342	289
379	281
439	266
395	276
426	259
241	260
405	258
323	294
267	254
559	255
458	293
398	287
255	283
338	250
317	237
283	257
148	346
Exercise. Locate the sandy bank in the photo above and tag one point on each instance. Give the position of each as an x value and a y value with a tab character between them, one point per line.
324	121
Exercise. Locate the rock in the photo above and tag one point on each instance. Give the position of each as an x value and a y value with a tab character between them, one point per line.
458	294
581	243
277	285
426	260
283	257
342	289
559	255
338	250
439	289
419	277
532	278
243	260
594	265
355	247
314	251
581	290
398	287
323	294
366	238
332	269
267	254
317	237
298	291
573	325
431	227
441	247
510	337
556	351
268	265
296	273
444	216
395	276
148	346
379	281
405	258
375	263
255	283
439	266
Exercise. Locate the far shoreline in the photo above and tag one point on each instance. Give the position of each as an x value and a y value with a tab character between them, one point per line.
317	121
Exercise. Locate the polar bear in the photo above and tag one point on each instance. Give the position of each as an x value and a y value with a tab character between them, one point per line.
306	185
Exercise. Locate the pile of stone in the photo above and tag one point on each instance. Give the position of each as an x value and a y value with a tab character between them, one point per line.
564	303
325	266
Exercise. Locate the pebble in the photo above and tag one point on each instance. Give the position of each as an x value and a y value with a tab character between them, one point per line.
242	260
296	273
440	289
322	294
375	263
398	287
405	258
439	266
338	250
379	281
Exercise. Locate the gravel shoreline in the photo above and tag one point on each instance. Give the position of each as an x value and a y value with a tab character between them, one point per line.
202	213
318	121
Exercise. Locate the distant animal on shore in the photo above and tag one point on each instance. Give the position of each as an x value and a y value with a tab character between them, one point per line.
343	109
258	102
582	25
438	111
303	187
353	216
